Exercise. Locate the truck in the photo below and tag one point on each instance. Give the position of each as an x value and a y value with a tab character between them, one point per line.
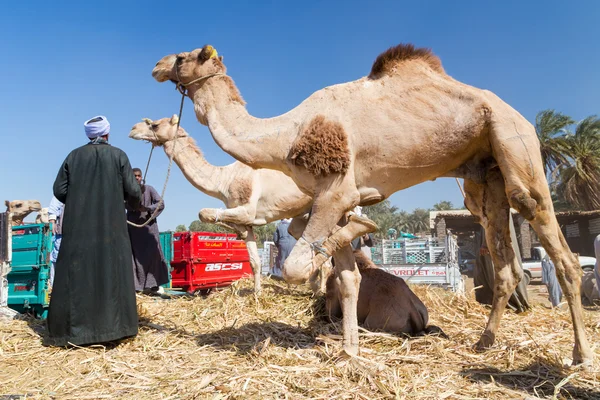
421	261
533	266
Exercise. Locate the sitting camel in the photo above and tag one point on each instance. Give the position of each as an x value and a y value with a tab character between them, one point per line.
20	209
385	302
252	197
359	142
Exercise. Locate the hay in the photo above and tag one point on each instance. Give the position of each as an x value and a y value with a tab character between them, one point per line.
231	345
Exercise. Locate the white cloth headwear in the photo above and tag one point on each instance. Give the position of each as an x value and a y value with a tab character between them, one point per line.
358	210
97	128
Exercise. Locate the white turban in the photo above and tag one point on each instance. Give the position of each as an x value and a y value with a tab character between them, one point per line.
97	126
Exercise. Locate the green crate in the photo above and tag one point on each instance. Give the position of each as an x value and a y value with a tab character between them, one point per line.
166	244
28	289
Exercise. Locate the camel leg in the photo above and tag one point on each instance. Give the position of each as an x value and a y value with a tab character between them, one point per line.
334	195
516	149
254	258
348	277
490	204
238	216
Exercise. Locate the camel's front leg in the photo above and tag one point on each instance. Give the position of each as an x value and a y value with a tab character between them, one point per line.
254	258
334	195
348	278
238	216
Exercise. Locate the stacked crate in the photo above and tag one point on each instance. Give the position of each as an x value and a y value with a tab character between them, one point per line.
28	290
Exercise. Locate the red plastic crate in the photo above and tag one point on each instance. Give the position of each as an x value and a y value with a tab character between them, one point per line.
205	260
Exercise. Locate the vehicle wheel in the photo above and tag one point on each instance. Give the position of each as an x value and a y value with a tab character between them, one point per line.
588	268
527	277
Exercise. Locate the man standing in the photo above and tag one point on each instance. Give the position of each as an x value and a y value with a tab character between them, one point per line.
149	267
55	216
284	242
549	279
93	300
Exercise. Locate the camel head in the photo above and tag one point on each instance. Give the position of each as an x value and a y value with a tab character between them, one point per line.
157	132
21	209
187	67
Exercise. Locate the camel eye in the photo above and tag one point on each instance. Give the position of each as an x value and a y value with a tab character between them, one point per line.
154	126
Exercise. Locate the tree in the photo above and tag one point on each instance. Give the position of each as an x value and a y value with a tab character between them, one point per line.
550	127
199	226
579	175
443	206
264	233
419	220
180	228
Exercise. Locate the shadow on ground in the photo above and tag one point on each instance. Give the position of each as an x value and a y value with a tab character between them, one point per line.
543	379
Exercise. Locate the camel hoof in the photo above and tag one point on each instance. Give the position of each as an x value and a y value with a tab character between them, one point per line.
368	225
584	362
208	215
486	341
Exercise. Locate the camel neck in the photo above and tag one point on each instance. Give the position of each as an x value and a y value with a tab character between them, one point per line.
199	172
260	143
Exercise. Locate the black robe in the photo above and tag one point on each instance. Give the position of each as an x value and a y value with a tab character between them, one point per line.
93	298
149	267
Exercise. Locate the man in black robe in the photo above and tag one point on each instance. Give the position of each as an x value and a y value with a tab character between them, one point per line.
93	299
150	270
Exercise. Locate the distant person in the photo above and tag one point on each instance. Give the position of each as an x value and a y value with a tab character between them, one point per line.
55	210
284	242
551	282
150	270
93	300
365	242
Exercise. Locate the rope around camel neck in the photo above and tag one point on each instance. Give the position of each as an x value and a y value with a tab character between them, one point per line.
162	195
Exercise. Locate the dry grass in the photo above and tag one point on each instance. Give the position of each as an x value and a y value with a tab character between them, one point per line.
231	345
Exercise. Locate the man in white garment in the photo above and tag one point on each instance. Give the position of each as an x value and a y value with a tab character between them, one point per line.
55	210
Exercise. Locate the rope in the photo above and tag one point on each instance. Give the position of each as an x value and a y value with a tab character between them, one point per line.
182	88
162	196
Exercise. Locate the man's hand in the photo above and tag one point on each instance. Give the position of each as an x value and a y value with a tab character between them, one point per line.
53	222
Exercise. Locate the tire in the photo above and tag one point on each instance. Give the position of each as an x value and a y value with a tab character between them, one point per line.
527	277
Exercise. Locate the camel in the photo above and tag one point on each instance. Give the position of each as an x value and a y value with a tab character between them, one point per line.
385	302
20	209
252	197
42	217
356	143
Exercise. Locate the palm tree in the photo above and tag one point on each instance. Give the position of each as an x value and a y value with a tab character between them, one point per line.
419	220
580	175
550	127
443	206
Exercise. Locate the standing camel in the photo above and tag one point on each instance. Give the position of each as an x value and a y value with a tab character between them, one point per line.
20	209
359	142
252	197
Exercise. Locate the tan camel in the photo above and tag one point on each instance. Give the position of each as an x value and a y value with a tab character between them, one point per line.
252	197
20	209
359	142
385	302
42	217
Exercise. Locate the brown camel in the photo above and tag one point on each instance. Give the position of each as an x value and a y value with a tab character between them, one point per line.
385	302
20	209
252	197
359	142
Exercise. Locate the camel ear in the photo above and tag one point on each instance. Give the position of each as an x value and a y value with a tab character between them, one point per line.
174	119
207	53
7	203
221	58
148	121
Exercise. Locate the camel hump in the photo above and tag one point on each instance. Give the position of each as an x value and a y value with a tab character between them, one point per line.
385	62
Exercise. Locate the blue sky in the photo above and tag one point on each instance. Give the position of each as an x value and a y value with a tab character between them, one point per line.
64	62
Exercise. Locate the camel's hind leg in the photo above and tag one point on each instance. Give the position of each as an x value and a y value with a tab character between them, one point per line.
489	203
516	149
